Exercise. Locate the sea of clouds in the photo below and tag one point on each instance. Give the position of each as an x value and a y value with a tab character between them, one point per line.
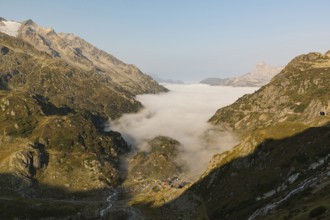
182	114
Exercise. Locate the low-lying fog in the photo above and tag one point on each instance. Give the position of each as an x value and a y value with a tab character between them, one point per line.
182	114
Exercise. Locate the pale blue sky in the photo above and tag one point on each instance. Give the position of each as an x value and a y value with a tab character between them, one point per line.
188	39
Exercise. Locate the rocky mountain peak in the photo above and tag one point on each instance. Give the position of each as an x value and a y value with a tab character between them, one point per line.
327	53
69	36
305	58
9	27
262	63
81	54
260	75
263	69
29	22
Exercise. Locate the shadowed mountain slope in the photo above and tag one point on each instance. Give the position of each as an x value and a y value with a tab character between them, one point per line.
285	178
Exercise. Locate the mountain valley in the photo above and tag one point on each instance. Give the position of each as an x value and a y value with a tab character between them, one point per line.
60	98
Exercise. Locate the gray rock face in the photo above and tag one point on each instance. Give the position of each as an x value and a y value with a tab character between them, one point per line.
4	50
259	76
26	162
82	54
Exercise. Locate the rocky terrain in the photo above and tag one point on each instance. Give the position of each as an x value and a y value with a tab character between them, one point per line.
157	163
54	102
79	53
259	76
283	177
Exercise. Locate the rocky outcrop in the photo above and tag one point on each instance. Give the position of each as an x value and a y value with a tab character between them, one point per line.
158	162
25	163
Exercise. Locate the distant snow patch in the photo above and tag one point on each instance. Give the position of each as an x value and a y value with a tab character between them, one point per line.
10	27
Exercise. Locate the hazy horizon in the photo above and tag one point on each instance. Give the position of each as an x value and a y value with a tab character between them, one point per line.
188	40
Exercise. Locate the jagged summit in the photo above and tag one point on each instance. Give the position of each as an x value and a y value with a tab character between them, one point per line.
29	22
262	63
260	75
327	53
67	35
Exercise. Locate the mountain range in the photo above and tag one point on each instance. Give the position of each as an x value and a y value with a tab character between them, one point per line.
259	76
57	92
161	80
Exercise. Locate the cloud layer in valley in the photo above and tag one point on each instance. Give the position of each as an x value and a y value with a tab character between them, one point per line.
182	114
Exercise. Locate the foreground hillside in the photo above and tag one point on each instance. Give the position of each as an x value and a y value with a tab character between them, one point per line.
282	178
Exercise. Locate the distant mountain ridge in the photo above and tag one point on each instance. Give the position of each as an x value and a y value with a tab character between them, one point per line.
161	80
259	76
